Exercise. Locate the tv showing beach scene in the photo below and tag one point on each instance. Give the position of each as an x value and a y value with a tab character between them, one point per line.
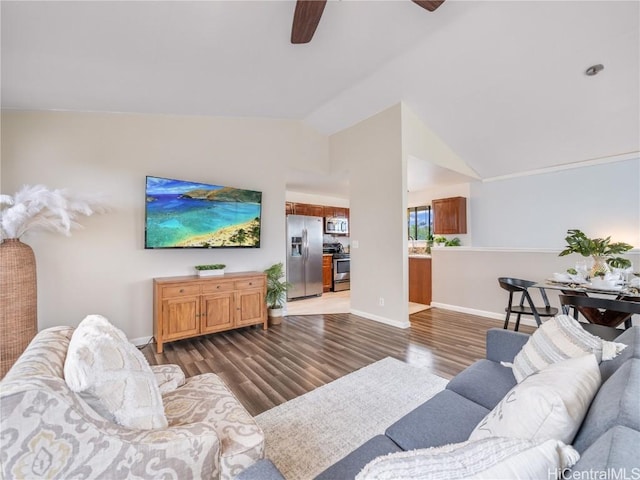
181	214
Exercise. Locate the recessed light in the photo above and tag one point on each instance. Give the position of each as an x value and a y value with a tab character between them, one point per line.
594	69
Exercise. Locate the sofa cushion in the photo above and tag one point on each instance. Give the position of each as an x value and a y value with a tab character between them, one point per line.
616	450
556	340
168	377
485	382
631	338
548	405
490	458
263	469
445	418
615	404
503	345
113	376
350	465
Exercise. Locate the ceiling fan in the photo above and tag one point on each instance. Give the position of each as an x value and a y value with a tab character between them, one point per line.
308	12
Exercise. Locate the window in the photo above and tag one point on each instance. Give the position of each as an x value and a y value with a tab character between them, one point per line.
419	222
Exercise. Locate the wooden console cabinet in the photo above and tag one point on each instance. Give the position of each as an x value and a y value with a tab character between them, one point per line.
189	306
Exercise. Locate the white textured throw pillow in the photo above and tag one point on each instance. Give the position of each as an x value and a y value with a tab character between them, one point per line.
558	339
489	458
113	376
550	404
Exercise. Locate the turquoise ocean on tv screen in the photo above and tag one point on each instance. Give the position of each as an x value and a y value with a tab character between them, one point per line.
172	219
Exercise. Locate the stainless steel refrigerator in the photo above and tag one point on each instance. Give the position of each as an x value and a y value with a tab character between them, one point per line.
304	257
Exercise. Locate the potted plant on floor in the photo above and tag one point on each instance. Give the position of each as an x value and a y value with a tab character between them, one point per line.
276	290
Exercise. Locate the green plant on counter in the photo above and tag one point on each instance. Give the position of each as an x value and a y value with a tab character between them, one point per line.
439	239
214	266
454	242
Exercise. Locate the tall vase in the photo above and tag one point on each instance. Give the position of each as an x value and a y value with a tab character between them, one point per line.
18	301
600	266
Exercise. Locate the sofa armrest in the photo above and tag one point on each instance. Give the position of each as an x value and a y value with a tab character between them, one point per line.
504	345
49	432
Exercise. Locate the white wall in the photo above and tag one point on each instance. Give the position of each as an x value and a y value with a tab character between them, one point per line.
536	211
371	152
466	279
316	199
519	226
104	268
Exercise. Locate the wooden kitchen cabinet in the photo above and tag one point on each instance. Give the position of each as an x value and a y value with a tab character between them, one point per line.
304	209
336	212
189	306
449	215
420	280
294	208
327	273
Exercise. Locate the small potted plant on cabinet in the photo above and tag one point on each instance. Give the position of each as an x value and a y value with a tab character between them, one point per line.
276	290
210	270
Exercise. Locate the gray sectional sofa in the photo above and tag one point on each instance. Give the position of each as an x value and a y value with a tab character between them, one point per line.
608	440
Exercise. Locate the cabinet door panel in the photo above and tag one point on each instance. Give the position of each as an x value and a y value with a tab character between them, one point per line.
450	215
249	306
180	317
217	312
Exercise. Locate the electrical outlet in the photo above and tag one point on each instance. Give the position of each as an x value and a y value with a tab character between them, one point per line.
355	244
381	301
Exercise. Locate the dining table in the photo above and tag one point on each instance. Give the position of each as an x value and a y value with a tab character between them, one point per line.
624	291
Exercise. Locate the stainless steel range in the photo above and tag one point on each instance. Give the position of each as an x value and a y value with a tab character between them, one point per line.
341	266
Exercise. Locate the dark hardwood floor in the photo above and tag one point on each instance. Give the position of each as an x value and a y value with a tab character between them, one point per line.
267	368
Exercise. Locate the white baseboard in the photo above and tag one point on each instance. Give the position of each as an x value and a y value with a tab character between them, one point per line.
377	318
140	341
524	320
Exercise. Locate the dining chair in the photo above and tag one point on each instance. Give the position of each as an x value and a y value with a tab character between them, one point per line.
525	306
603	314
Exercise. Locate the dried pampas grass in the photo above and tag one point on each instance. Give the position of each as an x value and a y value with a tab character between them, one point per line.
38	207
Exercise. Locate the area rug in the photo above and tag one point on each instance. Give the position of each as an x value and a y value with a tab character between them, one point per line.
306	435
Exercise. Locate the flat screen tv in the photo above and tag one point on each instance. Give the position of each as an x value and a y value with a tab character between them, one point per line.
180	214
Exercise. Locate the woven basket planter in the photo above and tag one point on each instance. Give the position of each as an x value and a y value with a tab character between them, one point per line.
18	301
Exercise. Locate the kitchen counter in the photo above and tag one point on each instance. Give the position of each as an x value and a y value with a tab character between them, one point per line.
419	255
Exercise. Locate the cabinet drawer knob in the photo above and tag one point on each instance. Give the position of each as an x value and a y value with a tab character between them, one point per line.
182	290
250	283
217	286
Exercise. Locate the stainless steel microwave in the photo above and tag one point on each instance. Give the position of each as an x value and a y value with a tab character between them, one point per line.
336	225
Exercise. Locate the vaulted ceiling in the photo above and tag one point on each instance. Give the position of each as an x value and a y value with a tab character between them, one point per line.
501	83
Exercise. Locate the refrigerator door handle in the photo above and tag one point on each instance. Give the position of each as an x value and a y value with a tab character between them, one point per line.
305	244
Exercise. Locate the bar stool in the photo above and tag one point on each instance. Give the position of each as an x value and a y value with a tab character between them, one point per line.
516	285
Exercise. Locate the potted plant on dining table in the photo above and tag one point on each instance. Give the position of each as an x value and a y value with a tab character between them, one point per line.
601	250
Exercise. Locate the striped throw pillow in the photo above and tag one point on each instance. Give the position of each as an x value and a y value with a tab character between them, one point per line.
491	458
558	339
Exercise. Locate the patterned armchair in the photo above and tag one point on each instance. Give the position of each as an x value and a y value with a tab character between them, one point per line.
48	431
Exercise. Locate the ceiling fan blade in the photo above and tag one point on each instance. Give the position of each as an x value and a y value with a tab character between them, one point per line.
306	19
430	5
